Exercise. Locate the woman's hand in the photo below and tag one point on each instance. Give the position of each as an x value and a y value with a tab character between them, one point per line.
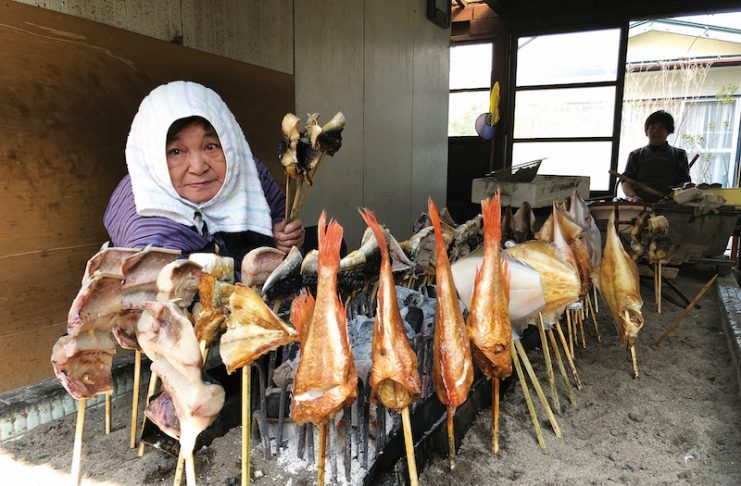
289	235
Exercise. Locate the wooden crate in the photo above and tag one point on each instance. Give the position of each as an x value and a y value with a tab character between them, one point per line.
539	193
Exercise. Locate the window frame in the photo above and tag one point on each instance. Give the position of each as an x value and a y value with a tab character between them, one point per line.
618	84
471	90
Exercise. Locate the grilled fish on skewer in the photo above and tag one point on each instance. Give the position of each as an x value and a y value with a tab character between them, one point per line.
285	280
617	280
560	280
168	339
330	139
394	378
211	318
178	280
523	222
259	263
452	369
592	237
289	142
488	324
302	309
252	329
221	267
107	260
325	381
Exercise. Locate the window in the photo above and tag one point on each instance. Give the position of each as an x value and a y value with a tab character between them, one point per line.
470	82
565	102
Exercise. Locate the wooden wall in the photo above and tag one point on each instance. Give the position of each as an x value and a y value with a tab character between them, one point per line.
69	90
386	67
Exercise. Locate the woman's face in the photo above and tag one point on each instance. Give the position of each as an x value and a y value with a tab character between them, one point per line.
196	163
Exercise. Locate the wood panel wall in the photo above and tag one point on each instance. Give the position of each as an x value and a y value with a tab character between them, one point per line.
385	66
69	90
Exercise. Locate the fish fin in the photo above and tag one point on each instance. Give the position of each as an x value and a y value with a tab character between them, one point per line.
491	210
302	309
370	219
435	217
329	243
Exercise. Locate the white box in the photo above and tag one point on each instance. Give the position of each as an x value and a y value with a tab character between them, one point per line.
539	193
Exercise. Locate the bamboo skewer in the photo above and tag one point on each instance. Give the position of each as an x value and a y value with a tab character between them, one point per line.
451	438
409	444
596	300
561	368
135	397
538	389
671	327
246	424
657	285
634	360
594	319
179	470
77	448
570	329
322	454
565	345
548	364
495	415
108	413
150	392
190	471
580	318
528	399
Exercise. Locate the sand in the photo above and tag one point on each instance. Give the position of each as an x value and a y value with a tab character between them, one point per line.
680	423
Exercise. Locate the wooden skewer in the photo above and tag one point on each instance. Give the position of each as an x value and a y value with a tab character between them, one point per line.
108	413
569	329
561	368
596	300
246	423
322	454
565	345
409	443
548	364
135	397
77	448
288	197
594	319
150	392
634	360
451	438
190	471
179	470
528	400
671	327
495	415
276	306
580	318
660	286
538	388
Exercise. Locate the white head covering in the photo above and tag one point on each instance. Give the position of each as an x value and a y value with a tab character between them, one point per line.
240	205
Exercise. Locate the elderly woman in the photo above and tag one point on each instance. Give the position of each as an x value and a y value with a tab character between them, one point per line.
193	182
658	164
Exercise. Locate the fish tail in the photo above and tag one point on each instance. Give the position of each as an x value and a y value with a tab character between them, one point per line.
370	219
491	209
435	217
330	240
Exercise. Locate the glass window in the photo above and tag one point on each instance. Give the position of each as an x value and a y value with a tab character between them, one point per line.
470	66
573	112
569	158
578	57
463	109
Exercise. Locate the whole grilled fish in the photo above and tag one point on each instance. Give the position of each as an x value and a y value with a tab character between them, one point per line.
394	378
617	280
488	324
325	381
452	370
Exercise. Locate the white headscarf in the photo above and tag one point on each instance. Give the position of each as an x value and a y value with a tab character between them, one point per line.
240	205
